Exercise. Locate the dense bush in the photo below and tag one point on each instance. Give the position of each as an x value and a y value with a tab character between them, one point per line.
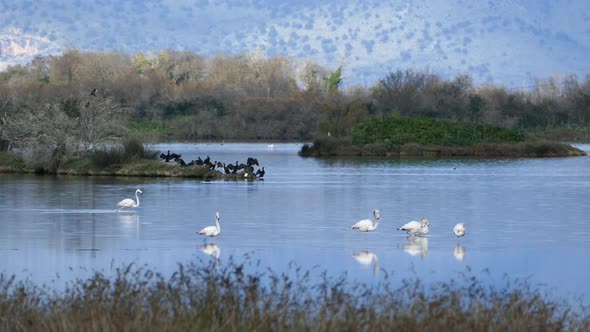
250	96
396	131
131	149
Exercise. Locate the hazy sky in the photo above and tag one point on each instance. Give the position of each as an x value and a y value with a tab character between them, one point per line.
503	41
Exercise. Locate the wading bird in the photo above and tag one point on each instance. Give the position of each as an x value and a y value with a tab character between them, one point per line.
211	231
416	228
128	203
367	225
459	230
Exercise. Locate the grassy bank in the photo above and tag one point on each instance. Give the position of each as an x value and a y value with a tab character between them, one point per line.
327	146
129	159
561	134
422	137
139	167
227	298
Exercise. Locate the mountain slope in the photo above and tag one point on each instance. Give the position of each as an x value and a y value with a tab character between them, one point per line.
505	41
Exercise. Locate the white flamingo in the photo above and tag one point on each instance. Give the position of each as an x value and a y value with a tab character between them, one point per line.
211	231
367	225
459	230
416	228
128	203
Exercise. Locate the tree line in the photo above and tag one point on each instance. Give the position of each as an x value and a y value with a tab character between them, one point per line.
78	100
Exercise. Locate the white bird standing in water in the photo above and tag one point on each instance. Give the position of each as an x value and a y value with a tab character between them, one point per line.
459	230
211	231
367	225
128	203
416	228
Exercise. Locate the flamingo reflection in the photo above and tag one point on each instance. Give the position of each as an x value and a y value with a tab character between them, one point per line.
367	258
459	253
211	249
417	246
130	219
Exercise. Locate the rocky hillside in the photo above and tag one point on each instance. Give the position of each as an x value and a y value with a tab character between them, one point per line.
506	41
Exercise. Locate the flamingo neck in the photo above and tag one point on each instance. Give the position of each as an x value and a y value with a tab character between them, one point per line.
137	198
375	223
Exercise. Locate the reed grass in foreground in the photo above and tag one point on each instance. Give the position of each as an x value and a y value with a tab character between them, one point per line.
226	298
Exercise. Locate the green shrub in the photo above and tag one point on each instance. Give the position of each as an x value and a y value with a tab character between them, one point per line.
395	131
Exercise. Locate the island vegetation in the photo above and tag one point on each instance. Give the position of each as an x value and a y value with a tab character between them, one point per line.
236	297
424	137
61	108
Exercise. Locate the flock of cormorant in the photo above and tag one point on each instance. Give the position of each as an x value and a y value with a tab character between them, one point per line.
237	168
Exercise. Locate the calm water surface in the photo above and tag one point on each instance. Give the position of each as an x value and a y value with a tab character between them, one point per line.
526	218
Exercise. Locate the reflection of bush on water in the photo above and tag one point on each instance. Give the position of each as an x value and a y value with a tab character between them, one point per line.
229	298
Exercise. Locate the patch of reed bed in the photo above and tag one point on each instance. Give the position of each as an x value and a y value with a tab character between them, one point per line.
227	298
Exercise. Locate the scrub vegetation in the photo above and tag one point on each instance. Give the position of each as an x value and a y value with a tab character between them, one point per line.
424	137
59	107
228	298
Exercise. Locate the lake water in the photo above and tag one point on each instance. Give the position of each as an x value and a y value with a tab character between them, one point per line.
525	218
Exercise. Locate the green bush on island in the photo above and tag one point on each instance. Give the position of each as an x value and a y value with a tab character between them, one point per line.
424	137
396	131
227	297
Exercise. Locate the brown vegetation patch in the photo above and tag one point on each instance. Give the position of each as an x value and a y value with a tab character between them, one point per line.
227	298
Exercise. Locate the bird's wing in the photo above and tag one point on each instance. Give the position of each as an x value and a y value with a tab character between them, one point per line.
126	202
411	226
363	224
207	230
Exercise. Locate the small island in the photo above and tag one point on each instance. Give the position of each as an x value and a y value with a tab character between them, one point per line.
430	138
130	158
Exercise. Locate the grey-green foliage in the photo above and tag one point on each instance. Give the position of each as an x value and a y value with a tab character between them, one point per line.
48	133
334	80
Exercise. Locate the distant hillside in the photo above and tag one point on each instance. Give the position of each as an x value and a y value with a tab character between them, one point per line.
18	47
505	41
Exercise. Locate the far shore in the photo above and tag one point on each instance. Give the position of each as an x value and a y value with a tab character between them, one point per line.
13	163
138	168
534	149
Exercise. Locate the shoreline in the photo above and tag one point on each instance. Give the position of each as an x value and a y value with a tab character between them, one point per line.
528	149
139	168
322	148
